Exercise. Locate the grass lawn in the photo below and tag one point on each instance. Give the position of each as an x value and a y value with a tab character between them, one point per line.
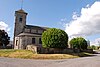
26	54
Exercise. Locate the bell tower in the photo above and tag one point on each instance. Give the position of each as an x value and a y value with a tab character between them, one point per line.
20	21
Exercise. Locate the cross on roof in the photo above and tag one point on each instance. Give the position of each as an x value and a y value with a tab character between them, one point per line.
21	4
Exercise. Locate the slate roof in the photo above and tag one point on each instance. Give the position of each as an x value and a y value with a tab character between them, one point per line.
35	27
21	11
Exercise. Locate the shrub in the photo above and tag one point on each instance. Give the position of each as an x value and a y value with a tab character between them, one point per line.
78	43
54	38
94	47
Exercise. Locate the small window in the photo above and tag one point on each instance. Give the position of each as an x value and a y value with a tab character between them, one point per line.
20	19
27	30
33	31
16	42
40	42
33	40
40	31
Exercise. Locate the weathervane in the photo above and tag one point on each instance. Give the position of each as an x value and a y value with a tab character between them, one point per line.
21	4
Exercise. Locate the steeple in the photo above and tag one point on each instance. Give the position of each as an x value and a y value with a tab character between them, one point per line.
21	11
20	20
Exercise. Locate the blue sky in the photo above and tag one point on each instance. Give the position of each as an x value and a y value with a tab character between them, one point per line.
48	13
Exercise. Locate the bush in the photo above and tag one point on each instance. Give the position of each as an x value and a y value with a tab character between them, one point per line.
94	47
54	38
78	43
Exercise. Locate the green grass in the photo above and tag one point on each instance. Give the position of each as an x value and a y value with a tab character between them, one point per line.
26	54
15	53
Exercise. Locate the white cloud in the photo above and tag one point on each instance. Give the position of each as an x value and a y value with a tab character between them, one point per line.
4	26
87	23
63	22
87	5
63	19
96	42
75	15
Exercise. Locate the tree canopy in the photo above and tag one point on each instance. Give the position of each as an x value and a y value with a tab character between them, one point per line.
78	43
54	38
4	38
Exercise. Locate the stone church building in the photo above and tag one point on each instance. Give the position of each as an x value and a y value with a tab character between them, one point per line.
26	34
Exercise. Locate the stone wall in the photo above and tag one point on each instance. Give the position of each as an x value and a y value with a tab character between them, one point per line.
88	50
32	48
62	51
22	42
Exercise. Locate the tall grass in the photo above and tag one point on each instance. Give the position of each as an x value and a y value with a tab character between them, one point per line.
26	54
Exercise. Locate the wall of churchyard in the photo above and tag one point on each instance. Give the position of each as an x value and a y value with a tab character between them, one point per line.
63	51
37	49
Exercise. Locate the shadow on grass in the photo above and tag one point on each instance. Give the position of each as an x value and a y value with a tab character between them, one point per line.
84	54
81	54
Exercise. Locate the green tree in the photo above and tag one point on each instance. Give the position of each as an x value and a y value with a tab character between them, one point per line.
78	43
4	38
54	38
94	47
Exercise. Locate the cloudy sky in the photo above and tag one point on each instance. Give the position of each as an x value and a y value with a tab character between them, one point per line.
87	23
76	17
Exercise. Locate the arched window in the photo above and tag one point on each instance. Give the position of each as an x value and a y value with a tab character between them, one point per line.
33	40
16	42
40	41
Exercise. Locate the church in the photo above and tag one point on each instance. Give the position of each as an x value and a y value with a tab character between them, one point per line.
26	34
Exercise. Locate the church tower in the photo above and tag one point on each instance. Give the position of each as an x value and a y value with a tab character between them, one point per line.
20	21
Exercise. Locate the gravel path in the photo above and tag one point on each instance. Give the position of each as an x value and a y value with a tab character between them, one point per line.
93	61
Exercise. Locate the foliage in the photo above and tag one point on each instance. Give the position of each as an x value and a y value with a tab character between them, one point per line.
78	43
4	38
94	47
54	38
